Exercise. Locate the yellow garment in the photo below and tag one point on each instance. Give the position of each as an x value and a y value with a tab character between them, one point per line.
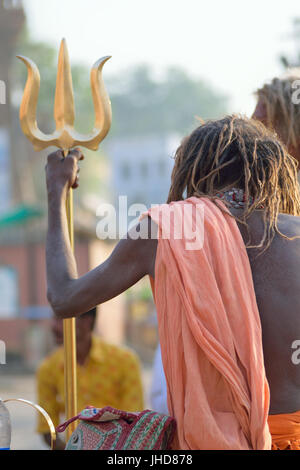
111	376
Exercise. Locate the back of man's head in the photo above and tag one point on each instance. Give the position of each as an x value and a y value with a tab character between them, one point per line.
238	152
85	324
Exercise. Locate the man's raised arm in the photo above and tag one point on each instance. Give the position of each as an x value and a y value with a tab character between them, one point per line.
130	261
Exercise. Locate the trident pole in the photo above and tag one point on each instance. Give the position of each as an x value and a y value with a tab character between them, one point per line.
69	331
66	137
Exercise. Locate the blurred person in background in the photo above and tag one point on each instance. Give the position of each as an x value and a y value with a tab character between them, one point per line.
107	375
278	108
158	391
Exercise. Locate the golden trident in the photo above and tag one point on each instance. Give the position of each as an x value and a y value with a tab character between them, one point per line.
65	137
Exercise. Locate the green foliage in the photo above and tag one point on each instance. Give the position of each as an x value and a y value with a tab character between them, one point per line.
140	292
293	61
143	105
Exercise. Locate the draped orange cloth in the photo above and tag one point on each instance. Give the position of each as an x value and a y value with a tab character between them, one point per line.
285	431
209	329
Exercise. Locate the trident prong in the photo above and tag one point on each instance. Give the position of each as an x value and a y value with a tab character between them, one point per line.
64	136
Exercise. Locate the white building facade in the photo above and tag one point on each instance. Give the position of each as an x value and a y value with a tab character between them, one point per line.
141	168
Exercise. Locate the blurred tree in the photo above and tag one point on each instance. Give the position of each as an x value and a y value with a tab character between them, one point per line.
286	61
141	104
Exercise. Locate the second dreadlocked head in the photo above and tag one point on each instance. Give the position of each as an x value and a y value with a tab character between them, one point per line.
237	152
282	112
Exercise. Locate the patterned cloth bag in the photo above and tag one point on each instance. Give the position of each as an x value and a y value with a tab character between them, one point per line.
111	429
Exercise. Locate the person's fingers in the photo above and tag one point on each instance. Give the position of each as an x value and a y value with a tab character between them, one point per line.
76	153
55	156
69	171
76	183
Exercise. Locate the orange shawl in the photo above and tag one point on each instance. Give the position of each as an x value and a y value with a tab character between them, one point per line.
209	329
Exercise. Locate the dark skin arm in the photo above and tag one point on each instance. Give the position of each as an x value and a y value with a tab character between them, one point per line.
131	259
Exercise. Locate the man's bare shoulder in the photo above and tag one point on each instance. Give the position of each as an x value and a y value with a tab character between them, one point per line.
146	229
288	227
285	248
280	261
289	224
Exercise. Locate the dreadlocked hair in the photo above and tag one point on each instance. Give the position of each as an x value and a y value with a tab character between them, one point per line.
242	153
282	111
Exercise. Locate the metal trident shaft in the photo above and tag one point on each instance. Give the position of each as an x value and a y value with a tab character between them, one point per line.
65	137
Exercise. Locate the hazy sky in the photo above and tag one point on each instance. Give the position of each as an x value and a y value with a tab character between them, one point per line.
232	44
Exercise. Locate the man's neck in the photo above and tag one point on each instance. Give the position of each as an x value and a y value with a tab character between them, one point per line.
83	350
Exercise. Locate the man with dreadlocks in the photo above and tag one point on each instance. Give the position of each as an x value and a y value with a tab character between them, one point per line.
224	323
278	108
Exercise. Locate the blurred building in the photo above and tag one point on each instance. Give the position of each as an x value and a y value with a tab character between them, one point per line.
141	171
25	315
141	321
24	310
141	168
11	23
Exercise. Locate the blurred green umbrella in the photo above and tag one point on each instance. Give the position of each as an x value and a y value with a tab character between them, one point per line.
20	215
